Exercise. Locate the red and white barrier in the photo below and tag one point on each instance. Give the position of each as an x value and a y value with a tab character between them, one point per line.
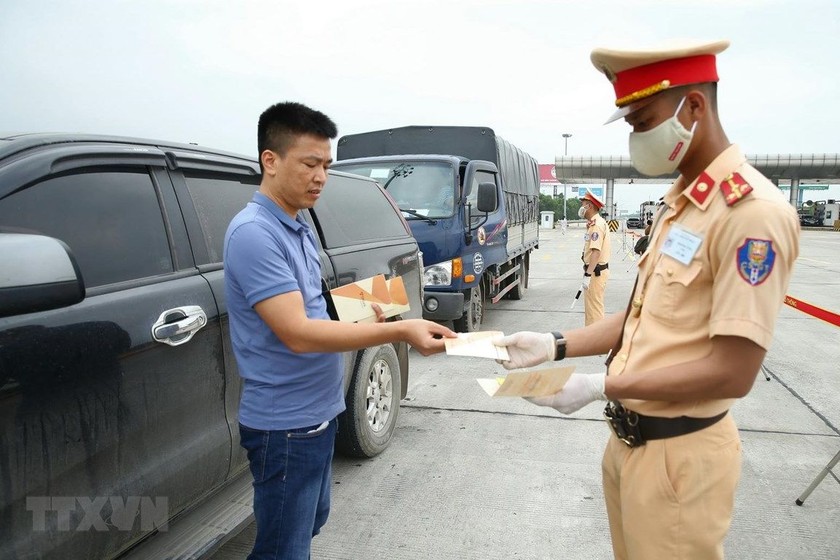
813	310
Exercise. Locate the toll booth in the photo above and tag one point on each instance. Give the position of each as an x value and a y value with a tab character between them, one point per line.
546	219
831	212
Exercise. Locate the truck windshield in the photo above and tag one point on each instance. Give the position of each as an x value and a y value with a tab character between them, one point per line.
421	189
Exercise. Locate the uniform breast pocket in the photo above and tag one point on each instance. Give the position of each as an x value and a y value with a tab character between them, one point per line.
676	294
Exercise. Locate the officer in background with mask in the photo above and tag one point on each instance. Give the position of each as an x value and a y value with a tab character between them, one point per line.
699	321
595	257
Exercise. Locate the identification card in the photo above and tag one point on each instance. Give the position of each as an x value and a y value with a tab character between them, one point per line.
681	244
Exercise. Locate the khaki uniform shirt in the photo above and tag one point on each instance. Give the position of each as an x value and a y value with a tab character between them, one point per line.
596	237
732	285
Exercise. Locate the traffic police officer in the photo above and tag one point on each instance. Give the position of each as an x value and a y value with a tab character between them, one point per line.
699	321
595	256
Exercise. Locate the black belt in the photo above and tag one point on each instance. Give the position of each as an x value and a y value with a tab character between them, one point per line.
598	268
635	429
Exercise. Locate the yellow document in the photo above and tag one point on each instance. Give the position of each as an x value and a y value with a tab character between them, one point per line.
530	383
353	301
476	344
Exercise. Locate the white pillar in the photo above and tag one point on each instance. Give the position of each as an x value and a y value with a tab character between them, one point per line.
608	202
794	192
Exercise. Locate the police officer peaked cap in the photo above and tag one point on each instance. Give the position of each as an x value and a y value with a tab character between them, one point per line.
593	199
637	75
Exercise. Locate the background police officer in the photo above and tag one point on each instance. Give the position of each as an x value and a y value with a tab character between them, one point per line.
596	257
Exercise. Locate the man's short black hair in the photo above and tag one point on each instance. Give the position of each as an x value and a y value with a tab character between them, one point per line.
280	123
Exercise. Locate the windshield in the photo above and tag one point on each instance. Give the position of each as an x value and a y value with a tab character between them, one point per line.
420	189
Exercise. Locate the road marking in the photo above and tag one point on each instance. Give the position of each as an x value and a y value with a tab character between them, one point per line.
813	260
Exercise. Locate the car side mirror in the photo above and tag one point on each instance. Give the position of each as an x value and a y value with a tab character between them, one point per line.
39	273
486	199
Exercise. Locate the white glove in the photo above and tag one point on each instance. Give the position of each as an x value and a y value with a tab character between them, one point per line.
585	284
580	390
527	349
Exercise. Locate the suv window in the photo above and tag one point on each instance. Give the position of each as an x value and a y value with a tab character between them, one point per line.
217	199
355	211
113	245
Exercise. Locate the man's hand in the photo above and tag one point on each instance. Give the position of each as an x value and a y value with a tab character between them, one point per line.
586	280
425	336
527	349
380	315
580	390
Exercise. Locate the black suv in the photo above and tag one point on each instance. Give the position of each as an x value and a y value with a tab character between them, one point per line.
118	387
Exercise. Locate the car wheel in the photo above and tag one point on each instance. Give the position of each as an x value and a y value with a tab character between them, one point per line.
470	321
373	403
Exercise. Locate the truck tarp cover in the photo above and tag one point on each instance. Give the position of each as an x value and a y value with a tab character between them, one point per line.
518	170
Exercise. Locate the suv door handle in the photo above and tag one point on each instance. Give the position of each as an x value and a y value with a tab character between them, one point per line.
177	326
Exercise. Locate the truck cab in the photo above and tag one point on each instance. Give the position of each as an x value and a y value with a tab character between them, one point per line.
457	230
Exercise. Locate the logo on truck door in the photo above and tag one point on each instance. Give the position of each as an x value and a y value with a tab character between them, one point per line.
482	236
478	263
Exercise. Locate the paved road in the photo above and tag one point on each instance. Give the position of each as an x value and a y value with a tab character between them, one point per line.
470	477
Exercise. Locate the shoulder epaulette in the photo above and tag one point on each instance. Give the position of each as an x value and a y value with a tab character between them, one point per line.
734	189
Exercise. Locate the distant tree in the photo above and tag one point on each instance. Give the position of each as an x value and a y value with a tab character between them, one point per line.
550	204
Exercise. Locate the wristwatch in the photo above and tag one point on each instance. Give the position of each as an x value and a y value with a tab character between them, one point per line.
559	346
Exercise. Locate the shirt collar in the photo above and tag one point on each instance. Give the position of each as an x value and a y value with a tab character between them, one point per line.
295	225
701	191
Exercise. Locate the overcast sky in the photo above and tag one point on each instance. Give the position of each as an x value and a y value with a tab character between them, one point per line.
203	70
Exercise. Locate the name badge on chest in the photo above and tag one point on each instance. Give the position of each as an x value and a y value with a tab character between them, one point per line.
681	244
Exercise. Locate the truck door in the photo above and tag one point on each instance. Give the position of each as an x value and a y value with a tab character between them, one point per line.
489	231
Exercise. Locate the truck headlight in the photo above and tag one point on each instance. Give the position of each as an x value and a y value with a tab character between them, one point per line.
438	274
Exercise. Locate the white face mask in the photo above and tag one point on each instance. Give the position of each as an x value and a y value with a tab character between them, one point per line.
660	150
582	212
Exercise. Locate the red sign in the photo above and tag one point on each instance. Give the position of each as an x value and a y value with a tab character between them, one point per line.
547	173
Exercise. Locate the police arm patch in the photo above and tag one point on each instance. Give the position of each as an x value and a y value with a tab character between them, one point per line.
594	236
755	260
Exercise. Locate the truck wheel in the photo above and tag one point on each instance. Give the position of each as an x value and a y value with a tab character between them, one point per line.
518	291
470	321
373	403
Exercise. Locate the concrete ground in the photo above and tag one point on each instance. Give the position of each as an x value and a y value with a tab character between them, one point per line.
471	477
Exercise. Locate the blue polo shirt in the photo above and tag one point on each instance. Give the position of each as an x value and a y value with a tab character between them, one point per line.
267	253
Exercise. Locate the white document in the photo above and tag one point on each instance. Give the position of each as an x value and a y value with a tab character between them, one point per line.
477	344
530	383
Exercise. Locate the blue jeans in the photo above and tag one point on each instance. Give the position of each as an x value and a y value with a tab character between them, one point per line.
292	472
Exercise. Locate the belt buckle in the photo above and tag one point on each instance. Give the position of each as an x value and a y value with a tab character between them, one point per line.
621	422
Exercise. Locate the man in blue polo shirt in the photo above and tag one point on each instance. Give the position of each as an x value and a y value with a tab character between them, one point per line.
286	347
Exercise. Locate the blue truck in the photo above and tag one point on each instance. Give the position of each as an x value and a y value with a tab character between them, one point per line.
472	202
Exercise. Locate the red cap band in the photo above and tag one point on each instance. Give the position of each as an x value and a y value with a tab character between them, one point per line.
677	71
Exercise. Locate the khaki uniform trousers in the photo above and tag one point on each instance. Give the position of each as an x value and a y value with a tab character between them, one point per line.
593	298
673	498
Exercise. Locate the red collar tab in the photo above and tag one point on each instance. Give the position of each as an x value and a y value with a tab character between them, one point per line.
735	188
701	189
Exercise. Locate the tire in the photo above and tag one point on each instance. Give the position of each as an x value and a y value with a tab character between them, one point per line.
518	291
373	403
470	321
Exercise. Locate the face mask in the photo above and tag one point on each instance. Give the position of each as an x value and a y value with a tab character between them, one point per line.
660	150
582	212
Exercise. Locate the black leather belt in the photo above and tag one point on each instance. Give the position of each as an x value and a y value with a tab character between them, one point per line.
635	429
598	268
